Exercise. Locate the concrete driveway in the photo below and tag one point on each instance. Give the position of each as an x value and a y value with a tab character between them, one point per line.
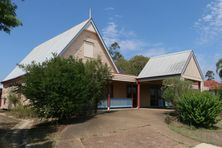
123	129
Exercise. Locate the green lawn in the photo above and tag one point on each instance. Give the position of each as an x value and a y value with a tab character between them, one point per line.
211	136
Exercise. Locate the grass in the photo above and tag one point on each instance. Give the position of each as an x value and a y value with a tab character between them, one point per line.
211	136
23	112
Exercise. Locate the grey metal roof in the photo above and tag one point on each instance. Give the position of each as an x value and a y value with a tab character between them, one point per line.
165	65
55	45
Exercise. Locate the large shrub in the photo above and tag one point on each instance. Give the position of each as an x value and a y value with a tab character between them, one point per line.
174	88
200	109
65	88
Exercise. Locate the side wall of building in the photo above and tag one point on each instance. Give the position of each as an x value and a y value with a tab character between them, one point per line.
192	71
9	88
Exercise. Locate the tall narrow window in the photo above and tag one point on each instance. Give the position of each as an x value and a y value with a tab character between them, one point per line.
88	49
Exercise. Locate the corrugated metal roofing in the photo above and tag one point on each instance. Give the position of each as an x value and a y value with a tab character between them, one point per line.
168	64
44	51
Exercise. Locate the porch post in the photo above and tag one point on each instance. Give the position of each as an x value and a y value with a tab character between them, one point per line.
108	102
132	93
138	94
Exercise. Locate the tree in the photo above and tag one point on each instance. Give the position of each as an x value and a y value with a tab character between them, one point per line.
65	88
219	68
209	75
113	51
8	19
132	66
123	65
174	88
137	63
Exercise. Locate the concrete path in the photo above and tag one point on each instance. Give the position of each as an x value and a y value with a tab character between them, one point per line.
204	145
123	129
19	134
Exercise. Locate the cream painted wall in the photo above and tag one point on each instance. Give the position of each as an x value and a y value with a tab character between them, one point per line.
192	71
7	89
76	49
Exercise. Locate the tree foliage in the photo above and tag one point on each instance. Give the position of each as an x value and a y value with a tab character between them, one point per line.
209	75
174	88
132	66
8	19
219	68
65	88
136	64
113	50
123	65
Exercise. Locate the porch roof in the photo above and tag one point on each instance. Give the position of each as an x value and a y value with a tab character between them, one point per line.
165	65
123	77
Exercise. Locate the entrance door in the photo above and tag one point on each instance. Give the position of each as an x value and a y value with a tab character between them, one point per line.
155	97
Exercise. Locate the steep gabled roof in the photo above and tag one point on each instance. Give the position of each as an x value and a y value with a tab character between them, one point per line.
57	45
167	65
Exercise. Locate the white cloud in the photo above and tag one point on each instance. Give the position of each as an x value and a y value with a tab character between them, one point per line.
109	9
129	42
132	44
155	51
126	39
110	32
210	24
118	16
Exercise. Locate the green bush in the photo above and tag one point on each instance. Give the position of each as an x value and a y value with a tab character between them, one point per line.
64	88
200	109
219	93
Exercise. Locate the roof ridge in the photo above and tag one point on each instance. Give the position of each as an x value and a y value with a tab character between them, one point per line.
171	53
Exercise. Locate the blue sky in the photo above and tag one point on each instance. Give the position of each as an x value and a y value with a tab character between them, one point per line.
141	27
